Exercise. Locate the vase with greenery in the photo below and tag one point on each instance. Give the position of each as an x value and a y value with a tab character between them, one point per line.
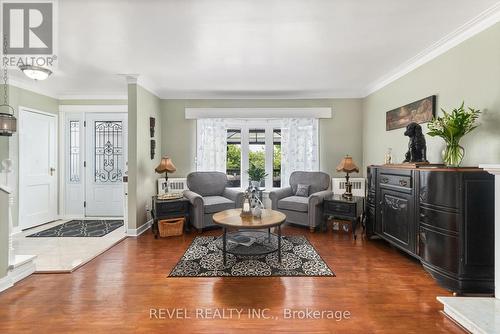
256	174
452	126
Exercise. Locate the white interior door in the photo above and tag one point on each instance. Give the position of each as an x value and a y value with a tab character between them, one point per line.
37	168
106	142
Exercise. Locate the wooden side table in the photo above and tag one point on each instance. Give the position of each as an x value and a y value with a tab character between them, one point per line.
165	209
336	206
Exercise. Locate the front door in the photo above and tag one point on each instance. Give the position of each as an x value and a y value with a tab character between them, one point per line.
105	164
37	168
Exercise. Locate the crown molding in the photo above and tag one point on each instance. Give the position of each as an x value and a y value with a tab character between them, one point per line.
144	82
262	95
30	87
478	24
314	112
70	108
90	96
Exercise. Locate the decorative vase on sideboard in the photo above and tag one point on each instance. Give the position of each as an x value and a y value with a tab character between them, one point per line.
453	155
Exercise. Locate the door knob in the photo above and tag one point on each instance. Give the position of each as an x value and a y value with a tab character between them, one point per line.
52	170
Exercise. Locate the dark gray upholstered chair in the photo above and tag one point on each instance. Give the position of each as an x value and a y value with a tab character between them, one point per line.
208	194
306	211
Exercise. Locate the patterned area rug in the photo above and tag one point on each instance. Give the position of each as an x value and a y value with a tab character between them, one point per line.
80	228
204	259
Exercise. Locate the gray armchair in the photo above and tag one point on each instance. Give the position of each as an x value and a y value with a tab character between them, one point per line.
306	211
208	194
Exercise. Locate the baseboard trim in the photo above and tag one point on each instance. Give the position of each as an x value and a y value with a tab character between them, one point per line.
135	232
16	230
5	283
24	266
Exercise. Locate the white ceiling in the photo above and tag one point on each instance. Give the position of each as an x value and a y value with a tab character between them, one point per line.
245	48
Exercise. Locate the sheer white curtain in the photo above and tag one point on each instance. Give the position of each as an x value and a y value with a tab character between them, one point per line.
299	147
211	144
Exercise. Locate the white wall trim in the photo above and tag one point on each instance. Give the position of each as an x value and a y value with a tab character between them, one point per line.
144	82
262	95
5	189
5	283
197	113
135	232
34	87
478	24
123	108
84	96
23	267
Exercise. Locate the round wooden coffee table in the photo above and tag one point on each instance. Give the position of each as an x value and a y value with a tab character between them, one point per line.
261	242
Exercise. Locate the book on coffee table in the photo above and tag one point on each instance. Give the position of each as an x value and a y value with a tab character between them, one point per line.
242	240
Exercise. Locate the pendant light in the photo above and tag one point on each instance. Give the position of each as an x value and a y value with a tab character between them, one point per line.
8	123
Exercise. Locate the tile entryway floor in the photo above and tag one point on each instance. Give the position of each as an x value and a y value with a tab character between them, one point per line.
63	254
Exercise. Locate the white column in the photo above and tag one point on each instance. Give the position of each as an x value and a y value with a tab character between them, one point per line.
11	230
6	170
495	169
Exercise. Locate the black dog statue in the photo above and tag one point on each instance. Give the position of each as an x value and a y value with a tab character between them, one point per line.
417	149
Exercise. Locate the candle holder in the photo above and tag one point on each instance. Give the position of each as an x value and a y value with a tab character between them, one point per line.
246	210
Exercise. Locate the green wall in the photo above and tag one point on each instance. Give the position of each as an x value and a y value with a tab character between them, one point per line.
142	185
339	135
470	72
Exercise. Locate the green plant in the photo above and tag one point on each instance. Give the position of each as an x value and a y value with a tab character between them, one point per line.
233	156
256	173
452	127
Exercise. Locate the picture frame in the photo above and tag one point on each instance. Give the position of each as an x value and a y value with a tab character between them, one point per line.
152	126
420	111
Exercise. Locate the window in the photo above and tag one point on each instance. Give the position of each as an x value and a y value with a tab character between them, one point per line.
277	146
276	158
233	157
257	153
108	151
254	143
74	151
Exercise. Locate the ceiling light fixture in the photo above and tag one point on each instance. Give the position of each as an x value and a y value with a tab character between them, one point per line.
35	72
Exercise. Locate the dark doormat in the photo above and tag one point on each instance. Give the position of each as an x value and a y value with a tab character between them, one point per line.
203	258
80	228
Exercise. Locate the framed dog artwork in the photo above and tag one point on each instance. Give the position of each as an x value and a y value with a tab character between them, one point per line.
420	111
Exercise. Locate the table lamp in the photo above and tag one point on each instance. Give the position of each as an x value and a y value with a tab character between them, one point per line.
347	165
166	166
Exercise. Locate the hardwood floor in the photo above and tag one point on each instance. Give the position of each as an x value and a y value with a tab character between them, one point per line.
383	290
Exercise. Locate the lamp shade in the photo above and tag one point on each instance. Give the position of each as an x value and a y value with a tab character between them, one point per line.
347	165
166	166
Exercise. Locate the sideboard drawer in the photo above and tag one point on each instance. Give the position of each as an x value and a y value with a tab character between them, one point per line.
440	219
439	249
396	180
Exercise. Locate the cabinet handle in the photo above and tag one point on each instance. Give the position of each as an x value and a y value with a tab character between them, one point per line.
403	183
384	180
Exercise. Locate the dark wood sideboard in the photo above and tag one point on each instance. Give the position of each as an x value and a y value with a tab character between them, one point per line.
442	216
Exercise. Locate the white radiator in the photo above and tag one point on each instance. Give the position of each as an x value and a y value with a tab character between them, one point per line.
358	186
175	185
